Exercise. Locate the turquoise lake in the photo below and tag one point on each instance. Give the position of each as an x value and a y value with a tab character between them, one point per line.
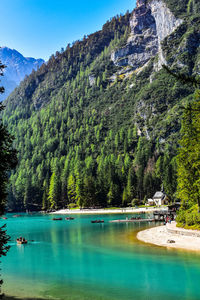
79	260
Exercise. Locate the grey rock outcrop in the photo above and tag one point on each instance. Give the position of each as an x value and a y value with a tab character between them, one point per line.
149	24
166	23
92	80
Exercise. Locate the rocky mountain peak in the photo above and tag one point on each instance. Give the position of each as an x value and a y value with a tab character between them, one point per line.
150	24
141	3
17	67
141	20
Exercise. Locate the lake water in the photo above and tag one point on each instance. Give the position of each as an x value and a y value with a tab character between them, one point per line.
78	260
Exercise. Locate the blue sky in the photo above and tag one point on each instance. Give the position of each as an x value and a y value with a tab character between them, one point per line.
38	28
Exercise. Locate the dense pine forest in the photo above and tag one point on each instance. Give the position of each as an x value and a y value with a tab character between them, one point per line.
91	134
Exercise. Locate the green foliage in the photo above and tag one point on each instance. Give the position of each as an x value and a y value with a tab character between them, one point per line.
54	194
73	206
189	219
135	202
88	141
179	8
71	188
188	161
182	8
7	155
7	162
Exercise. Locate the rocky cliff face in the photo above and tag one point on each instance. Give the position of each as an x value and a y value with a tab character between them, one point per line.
17	67
150	24
166	23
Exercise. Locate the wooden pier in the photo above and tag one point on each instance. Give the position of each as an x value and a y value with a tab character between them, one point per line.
163	215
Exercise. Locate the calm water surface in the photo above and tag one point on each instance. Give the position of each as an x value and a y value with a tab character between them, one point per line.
77	260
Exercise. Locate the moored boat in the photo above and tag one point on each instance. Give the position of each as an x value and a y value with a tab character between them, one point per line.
97	221
69	218
57	219
16	216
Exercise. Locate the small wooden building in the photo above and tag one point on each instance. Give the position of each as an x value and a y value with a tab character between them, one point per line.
160	198
151	202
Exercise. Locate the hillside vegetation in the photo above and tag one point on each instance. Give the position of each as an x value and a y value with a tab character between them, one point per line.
88	138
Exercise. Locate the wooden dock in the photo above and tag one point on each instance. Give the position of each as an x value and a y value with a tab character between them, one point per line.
162	215
132	221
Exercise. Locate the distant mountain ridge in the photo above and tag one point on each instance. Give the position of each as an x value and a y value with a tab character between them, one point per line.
17	67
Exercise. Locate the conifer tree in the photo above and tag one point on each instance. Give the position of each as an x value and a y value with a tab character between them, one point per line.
71	189
188	159
54	191
8	161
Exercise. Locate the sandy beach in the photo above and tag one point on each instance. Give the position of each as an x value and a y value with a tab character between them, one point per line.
107	211
172	237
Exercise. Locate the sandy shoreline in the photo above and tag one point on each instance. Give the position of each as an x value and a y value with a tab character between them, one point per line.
160	236
107	211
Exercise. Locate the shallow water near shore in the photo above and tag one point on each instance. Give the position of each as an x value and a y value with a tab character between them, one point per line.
80	260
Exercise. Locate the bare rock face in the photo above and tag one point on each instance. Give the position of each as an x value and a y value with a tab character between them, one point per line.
149	24
92	80
142	43
166	23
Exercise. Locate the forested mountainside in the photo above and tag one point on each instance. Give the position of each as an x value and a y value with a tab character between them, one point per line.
99	123
17	67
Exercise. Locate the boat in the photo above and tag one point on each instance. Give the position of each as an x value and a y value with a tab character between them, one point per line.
136	218
21	241
69	218
97	221
57	219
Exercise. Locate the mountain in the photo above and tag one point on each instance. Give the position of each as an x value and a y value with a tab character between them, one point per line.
17	67
99	123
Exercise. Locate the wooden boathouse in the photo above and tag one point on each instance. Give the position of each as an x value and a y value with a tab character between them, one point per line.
170	213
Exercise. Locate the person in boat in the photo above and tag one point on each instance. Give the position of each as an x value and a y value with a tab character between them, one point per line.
21	239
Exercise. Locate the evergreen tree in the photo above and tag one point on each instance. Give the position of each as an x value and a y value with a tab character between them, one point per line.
45	202
90	199
188	159
71	189
54	192
8	161
7	155
131	185
113	195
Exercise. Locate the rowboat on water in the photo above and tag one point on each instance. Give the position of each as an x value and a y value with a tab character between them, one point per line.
97	221
57	219
21	241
